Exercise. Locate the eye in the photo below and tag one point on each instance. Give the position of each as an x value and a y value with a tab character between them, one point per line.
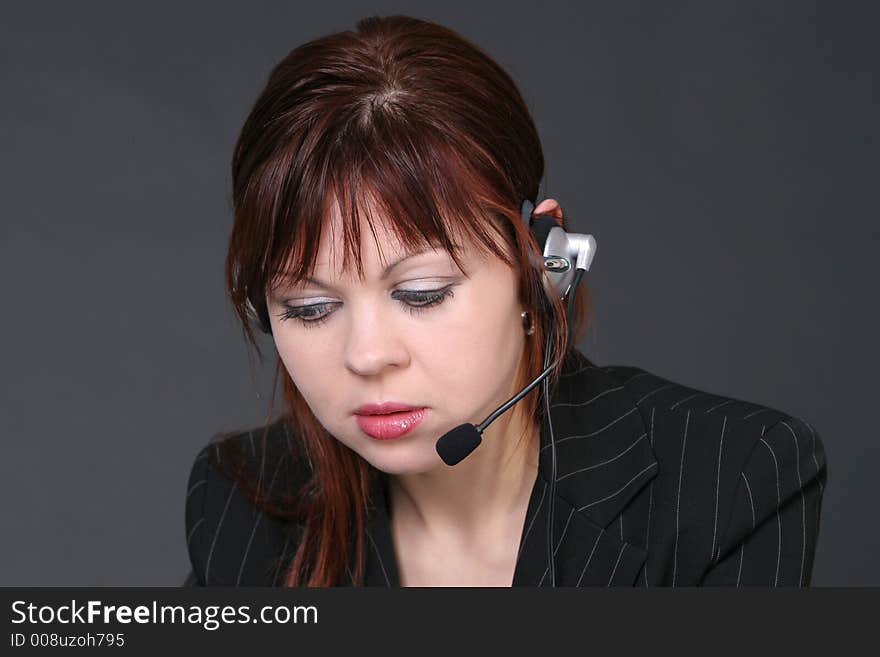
307	315
415	301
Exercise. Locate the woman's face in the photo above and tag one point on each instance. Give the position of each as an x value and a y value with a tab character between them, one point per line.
458	357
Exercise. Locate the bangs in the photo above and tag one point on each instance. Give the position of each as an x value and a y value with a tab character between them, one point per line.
428	195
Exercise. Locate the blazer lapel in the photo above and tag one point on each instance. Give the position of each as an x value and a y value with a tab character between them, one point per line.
603	459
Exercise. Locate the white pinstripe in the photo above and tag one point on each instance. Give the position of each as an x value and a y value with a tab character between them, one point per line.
668	385
217	532
813	434
248	546
742	549
717	488
192	530
751	499
650	500
778	519
194	486
818	480
258	516
556	549
678	499
281	559
636	376
590	558
598	465
681	401
621	489
803	503
611	579
582	369
564	529
752	505
379	556
593	433
589	401
726	401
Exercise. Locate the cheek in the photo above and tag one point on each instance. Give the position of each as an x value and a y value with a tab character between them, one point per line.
308	368
484	327
474	346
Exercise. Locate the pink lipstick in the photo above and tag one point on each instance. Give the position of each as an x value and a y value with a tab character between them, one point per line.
388	420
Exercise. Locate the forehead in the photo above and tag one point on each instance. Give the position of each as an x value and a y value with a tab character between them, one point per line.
377	240
376	237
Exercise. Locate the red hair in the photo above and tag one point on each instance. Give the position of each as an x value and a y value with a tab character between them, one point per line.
410	116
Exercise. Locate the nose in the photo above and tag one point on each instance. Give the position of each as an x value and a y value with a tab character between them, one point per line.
374	341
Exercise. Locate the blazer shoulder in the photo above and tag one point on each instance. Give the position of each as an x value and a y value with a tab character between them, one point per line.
727	464
229	538
660	399
649	390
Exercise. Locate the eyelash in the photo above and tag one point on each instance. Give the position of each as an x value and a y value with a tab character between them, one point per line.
428	298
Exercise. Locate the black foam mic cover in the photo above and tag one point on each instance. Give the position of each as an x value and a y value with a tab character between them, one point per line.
454	445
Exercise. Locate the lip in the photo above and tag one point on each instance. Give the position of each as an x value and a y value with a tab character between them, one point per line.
390	425
382	408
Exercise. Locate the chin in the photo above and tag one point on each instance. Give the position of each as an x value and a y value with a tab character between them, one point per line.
404	462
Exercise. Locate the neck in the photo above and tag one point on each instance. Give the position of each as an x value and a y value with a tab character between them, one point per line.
480	495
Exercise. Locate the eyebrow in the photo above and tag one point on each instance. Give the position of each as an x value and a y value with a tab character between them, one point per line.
385	274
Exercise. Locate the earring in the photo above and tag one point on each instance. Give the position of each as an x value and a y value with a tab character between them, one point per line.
527	323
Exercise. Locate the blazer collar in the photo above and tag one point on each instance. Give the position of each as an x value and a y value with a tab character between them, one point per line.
603	459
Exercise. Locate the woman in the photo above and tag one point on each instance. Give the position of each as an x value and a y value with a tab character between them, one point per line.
404	149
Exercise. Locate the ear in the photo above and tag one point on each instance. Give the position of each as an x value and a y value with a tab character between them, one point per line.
549	206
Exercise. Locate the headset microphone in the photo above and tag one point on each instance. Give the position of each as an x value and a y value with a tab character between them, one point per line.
560	249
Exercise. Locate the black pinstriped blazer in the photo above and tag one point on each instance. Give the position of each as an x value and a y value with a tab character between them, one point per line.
658	484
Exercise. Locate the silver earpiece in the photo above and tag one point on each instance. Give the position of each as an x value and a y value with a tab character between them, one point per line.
564	252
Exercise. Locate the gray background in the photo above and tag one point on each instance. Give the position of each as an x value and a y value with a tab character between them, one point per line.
722	154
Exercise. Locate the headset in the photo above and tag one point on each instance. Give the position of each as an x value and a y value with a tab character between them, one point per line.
566	256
